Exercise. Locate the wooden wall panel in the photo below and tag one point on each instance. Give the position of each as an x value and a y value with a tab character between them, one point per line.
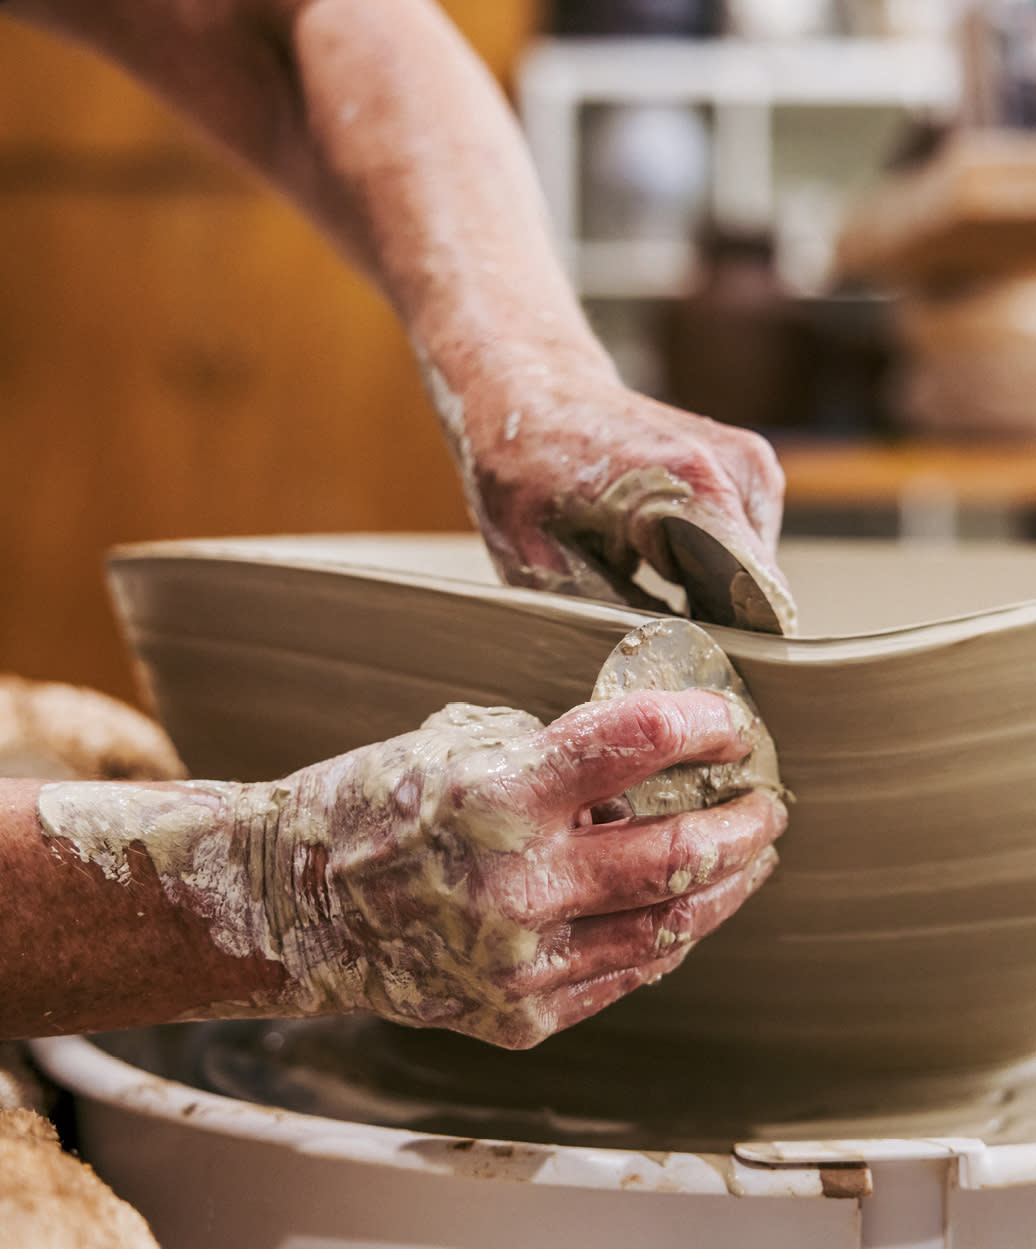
185	365
52	92
177	357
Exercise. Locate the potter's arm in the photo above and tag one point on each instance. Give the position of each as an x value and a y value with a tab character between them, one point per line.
89	938
381	123
449	878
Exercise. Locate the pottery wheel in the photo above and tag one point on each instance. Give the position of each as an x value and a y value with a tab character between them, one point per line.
572	1089
590	1085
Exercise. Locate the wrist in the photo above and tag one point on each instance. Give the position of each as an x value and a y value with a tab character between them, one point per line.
479	383
298	917
158	873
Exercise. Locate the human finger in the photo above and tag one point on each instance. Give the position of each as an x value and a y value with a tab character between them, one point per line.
609	956
603	973
572	1003
762	488
534	1016
644	860
751	463
628	939
599	750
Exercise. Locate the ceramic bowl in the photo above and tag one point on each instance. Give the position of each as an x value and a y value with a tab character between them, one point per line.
898	936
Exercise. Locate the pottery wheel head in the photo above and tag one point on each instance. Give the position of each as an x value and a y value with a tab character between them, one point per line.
677	655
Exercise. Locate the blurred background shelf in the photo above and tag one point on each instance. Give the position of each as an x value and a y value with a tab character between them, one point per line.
913	488
736	87
729	70
633	268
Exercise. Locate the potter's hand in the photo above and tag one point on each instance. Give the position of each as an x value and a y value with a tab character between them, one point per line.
453	878
570	485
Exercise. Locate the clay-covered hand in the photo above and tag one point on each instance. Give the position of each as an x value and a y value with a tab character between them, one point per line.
453	877
570	476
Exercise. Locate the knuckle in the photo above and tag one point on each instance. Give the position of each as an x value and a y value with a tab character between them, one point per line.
709	470
764	459
755	466
655	726
717	735
525	1027
694	855
664	929
700	727
525	889
687	917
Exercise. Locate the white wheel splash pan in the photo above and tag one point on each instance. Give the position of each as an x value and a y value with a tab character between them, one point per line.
209	1172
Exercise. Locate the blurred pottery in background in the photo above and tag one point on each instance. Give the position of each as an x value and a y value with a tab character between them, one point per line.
646	171
903	19
636	17
738	350
971	368
956	236
780	19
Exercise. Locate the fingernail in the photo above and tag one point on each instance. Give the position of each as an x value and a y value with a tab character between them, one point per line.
739	719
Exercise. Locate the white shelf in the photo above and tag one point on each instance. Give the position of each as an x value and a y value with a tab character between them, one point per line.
740	83
637	269
905	72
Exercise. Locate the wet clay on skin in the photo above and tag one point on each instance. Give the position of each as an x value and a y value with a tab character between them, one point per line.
676	655
380	880
628	516
261	880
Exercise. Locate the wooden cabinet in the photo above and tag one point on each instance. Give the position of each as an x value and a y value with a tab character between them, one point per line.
179	355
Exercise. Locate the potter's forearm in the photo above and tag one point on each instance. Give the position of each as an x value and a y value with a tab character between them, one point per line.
95	933
412	133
